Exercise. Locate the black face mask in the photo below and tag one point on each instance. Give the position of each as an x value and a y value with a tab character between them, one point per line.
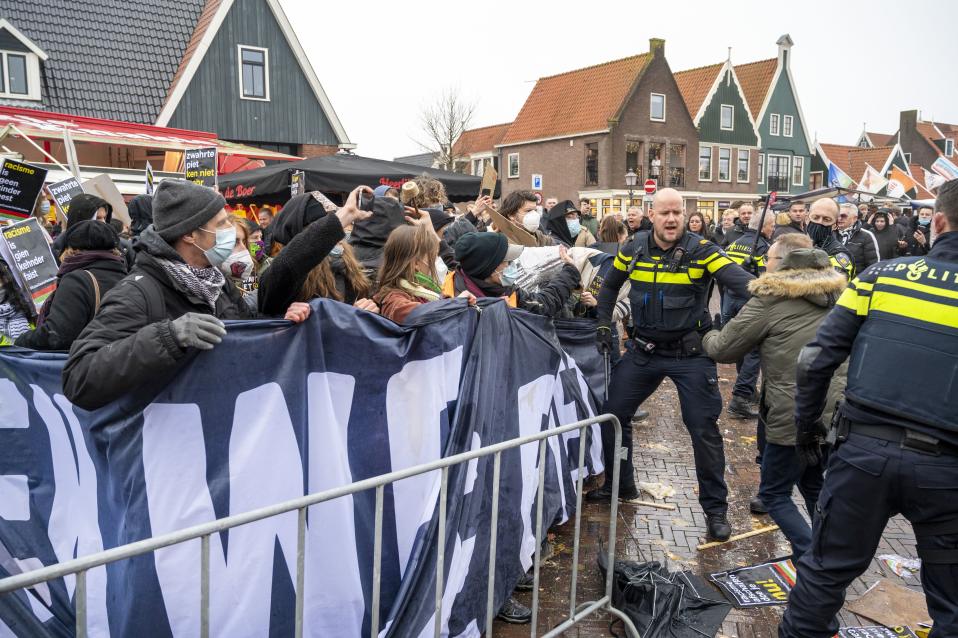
818	233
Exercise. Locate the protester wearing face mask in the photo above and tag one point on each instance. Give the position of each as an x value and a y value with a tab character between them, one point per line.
240	267
918	237
412	273
170	305
522	208
487	268
566	227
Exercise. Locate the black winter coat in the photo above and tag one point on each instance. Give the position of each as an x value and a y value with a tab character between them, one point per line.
73	306
887	242
862	248
130	343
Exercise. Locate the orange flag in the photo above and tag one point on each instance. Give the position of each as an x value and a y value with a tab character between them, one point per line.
899	182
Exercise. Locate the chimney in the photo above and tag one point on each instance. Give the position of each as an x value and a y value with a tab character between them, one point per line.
784	46
656	44
908	120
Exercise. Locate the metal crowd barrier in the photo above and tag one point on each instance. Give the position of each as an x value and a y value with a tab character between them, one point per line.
80	566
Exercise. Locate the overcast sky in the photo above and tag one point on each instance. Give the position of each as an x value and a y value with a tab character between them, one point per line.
853	62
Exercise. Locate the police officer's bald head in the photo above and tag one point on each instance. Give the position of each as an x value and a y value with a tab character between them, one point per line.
667	199
668	217
824	211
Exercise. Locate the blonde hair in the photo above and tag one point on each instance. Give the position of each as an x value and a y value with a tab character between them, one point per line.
431	192
792	241
407	245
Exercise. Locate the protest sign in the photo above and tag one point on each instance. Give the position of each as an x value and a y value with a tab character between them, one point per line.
757	586
63	192
149	179
25	248
102	186
515	234
20	185
489	177
200	166
297	183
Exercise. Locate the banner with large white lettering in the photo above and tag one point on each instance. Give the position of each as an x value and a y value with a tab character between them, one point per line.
275	412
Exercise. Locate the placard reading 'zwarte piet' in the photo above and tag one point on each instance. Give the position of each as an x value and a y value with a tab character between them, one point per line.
200	166
63	192
20	185
25	247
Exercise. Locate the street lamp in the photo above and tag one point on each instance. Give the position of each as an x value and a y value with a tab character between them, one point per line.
631	179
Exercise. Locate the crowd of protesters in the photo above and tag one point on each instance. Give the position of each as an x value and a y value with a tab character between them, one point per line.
136	300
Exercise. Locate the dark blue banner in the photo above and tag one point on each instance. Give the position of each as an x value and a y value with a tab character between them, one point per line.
274	412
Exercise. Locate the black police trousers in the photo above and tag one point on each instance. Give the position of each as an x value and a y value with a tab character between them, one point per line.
868	481
635	377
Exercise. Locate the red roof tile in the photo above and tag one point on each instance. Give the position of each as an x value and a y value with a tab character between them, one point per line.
919	174
756	81
578	101
852	159
480	140
881	139
694	84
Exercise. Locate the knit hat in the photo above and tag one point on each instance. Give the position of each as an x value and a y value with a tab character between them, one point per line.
803	258
91	235
380	191
479	254
84	206
180	207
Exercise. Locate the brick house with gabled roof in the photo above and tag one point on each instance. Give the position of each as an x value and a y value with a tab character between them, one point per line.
477	146
729	140
925	141
584	129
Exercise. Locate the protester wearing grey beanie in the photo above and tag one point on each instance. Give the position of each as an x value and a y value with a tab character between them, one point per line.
180	206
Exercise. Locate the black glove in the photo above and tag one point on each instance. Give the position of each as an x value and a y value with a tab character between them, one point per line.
197	330
808	442
717	321
603	339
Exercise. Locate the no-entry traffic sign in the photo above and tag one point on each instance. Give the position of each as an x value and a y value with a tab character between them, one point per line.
651	186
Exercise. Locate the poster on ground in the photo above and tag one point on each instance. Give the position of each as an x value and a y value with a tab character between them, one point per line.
63	192
25	248
200	166
20	185
875	632
759	585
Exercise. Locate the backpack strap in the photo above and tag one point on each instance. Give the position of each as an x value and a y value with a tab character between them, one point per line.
96	291
155	303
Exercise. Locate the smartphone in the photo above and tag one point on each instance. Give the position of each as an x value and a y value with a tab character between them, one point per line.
365	202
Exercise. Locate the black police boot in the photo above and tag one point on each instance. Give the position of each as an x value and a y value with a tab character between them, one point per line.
514	612
640	414
604	493
526	582
718	527
756	506
739	408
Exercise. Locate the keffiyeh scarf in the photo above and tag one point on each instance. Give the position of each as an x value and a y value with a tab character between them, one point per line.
203	285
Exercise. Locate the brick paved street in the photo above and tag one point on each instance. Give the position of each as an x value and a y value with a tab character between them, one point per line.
663	453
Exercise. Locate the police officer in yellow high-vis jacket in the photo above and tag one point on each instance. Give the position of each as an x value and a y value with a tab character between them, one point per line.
897	433
669	270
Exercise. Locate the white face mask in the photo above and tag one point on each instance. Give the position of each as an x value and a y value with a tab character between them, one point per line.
441	271
238	266
531	221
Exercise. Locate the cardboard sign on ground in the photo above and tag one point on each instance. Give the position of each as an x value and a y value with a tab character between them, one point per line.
892	605
103	186
759	585
25	249
875	632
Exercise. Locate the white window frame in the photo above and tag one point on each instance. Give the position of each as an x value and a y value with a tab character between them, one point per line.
740	153
907	158
774	121
949	147
478	166
239	71
798	160
788	125
719	164
731	126
664	105
509	165
761	168
788	168
33	75
711	156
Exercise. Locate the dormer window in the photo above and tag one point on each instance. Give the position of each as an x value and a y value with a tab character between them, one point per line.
19	64
254	73
949	147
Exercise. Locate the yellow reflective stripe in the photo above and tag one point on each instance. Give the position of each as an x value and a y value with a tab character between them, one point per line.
696	273
703	262
858	284
624	257
718	264
854	302
918	309
913	285
661	277
618	264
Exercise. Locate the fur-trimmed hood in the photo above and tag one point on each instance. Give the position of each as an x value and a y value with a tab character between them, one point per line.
820	286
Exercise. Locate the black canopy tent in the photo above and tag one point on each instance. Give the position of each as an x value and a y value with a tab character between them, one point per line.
852	195
335	176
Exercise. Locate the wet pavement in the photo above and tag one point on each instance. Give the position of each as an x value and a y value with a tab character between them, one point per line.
663	454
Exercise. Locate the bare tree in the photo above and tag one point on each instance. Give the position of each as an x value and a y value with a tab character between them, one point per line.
443	122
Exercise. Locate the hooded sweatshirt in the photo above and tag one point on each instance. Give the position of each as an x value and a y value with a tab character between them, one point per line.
559	229
781	317
887	238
